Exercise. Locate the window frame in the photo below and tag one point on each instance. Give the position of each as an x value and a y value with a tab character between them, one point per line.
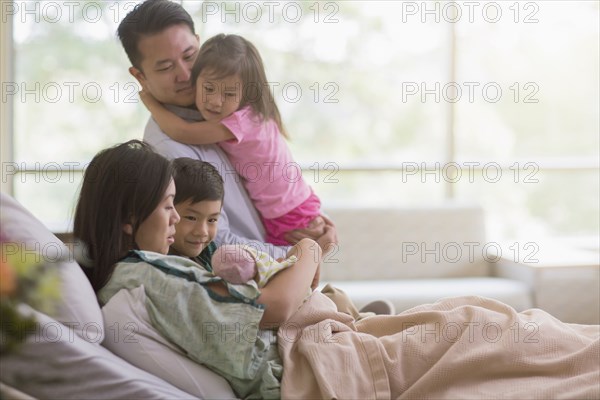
7	57
7	129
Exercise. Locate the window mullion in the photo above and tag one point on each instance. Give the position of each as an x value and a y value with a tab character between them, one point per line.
6	107
449	193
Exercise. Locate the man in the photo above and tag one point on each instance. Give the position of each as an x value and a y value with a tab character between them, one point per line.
160	41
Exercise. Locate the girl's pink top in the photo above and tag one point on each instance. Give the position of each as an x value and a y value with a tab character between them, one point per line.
260	155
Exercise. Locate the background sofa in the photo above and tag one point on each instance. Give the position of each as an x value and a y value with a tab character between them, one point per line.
413	256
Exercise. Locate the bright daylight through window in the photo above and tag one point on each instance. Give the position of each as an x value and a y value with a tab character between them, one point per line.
387	103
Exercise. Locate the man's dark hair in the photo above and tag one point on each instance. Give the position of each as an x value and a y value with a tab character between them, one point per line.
197	181
148	18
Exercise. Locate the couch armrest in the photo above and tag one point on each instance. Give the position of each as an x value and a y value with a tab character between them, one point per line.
565	281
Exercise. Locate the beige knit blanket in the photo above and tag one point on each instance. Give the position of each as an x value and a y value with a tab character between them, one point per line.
458	348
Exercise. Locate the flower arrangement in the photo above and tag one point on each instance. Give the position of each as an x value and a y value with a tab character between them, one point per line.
25	277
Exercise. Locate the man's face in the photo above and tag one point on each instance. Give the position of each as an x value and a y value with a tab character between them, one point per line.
167	59
198	226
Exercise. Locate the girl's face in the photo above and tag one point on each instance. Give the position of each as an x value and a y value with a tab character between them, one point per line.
218	98
156	233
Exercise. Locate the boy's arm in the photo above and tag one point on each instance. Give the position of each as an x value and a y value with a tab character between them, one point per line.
226	236
197	133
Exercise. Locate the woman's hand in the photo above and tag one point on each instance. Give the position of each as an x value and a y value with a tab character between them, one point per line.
308	249
315	282
287	289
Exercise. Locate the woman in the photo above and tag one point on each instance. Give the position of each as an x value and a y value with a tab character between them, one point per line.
457	348
125	204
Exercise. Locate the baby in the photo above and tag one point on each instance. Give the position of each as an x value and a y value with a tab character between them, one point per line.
239	264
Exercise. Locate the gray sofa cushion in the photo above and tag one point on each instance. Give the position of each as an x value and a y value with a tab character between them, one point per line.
77	308
54	363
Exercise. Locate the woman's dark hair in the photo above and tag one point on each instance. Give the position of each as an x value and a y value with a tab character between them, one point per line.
122	185
197	181
149	18
228	55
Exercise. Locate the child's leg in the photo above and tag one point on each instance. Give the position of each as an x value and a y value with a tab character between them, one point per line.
305	216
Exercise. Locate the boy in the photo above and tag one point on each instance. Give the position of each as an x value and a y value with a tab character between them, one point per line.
198	200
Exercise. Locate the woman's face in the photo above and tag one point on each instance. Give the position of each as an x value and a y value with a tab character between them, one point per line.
157	231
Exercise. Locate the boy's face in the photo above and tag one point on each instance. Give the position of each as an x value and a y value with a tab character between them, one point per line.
167	59
197	227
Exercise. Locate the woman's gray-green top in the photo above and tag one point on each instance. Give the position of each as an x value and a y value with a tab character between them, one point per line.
219	332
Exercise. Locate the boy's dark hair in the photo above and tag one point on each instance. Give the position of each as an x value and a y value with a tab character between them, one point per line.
148	18
197	181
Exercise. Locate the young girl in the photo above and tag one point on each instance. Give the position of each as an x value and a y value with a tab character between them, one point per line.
232	94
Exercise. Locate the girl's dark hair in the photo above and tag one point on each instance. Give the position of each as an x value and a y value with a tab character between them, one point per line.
122	185
149	18
227	55
197	181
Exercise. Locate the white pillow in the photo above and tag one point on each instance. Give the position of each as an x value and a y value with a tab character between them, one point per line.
130	335
78	308
53	363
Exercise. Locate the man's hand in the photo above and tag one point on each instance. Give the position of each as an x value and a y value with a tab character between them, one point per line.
328	240
314	230
321	229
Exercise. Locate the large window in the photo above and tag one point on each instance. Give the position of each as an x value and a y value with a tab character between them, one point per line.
390	103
